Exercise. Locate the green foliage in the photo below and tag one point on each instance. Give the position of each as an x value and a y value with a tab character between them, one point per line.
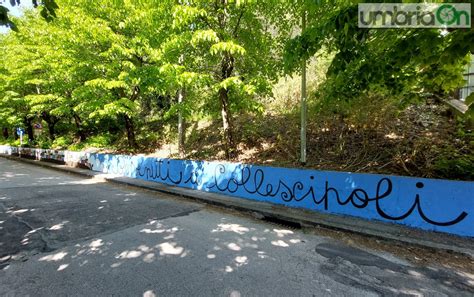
62	142
402	63
120	73
95	69
455	165
98	141
43	143
228	47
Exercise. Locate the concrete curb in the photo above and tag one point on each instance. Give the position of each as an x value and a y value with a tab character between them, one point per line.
292	216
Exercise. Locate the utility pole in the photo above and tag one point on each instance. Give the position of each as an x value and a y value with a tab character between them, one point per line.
303	98
181	128
181	124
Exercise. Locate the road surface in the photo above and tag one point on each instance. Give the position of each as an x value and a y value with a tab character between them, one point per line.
63	235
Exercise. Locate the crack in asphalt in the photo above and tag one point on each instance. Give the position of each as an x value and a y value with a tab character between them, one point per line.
47	246
23	255
352	266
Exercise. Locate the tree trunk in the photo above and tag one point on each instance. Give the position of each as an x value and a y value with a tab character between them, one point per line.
130	132
29	129
52	131
80	131
181	125
227	66
52	121
31	134
5	133
227	125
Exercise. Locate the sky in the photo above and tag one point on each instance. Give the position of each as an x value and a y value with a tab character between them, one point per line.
15	10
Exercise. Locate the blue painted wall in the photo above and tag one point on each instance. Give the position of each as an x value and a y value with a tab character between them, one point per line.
429	204
438	205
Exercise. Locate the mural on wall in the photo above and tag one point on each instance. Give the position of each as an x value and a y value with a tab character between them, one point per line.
114	164
439	205
77	159
424	203
8	150
51	155
37	154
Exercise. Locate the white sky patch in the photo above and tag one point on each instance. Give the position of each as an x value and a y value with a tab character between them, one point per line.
16	11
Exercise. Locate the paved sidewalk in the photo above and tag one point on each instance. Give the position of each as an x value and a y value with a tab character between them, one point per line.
291	216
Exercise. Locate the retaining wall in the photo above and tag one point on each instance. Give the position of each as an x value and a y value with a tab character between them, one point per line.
430	204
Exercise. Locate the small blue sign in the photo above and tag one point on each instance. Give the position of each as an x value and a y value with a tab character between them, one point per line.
20	131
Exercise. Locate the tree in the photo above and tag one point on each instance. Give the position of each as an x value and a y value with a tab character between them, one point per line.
233	43
404	64
132	60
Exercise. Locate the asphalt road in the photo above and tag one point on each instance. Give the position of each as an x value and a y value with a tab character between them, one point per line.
62	235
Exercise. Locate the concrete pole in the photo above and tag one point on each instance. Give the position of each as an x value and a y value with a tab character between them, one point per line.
303	98
181	124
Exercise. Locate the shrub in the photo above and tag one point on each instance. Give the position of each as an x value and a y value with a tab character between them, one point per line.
457	166
96	141
62	142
